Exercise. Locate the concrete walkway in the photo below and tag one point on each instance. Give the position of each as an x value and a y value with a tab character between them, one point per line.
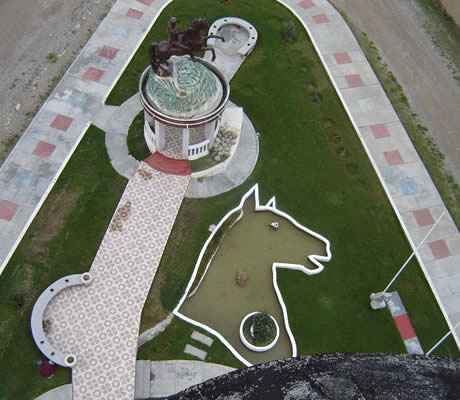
165	378
403	175
100	323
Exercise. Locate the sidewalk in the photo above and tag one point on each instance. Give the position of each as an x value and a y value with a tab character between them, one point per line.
403	175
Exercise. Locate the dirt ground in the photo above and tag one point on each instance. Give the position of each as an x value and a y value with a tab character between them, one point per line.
396	27
453	8
38	40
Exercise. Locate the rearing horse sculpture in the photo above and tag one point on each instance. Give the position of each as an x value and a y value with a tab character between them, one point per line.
181	42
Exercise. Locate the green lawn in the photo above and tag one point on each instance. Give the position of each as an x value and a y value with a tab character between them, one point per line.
312	160
62	240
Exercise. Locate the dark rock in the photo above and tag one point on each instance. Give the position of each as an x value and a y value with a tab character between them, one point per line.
337	376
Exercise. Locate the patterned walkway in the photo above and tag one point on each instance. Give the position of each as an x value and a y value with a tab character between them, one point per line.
403	175
99	324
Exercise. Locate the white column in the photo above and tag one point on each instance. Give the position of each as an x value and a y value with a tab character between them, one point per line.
185	142
159	135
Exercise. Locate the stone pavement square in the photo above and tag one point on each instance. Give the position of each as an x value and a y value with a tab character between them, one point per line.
199	337
439	248
305	4
423	217
136	14
354	80
393	157
342	58
108	52
24	178
146	2
44	149
404	326
61	122
408	186
123	31
78	98
320	19
93	74
7	210
380	131
192	350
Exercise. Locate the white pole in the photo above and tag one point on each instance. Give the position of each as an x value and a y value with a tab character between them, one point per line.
413	253
442	340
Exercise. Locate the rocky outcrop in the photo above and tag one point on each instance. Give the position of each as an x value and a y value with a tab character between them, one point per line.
337	376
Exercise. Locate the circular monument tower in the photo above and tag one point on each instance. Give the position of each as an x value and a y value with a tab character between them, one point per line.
183	96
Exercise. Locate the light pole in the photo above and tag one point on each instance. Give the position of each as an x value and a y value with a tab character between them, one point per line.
378	300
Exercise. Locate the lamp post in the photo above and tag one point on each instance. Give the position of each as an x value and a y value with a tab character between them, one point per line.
379	300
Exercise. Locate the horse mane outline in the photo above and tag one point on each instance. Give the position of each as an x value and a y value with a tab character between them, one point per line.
315	259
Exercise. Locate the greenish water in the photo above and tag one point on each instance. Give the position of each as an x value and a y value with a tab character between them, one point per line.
251	246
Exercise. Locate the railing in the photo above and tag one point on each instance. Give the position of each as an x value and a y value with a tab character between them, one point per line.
149	135
198	150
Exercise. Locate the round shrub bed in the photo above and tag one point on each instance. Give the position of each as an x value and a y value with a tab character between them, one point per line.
259	331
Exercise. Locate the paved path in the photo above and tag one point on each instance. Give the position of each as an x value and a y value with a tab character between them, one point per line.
100	323
407	184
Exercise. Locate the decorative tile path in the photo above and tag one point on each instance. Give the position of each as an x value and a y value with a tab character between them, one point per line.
406	182
99	324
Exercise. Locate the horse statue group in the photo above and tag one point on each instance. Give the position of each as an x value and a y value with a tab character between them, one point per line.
180	42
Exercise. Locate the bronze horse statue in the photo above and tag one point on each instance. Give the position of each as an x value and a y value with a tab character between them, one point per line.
180	42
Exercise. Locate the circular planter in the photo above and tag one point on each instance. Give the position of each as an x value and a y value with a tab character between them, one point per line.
252	347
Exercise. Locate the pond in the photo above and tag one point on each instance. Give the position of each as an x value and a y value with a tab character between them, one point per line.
251	246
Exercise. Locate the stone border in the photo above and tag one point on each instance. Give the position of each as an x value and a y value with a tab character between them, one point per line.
249	46
36	318
314	259
259	348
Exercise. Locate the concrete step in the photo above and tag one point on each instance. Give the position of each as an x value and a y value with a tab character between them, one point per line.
192	350
199	337
142	390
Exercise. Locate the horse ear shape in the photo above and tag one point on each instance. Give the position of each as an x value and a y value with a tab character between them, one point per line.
271	202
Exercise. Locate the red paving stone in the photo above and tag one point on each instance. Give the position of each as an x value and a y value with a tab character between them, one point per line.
61	122
7	210
44	149
423	217
306	4
108	52
354	80
93	74
404	327
146	2
168	165
342	58
439	249
136	14
393	157
380	131
320	19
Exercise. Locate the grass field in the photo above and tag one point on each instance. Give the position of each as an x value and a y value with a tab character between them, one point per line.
310	158
312	161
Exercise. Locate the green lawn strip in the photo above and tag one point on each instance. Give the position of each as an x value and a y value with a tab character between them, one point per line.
312	160
137	145
424	143
62	240
170	345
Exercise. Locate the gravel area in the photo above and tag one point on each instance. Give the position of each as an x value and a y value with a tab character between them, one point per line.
396	27
39	40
